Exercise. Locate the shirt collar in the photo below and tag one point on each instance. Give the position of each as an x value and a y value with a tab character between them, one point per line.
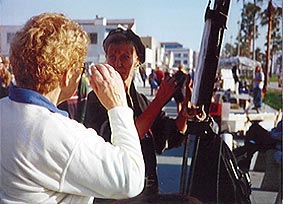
32	97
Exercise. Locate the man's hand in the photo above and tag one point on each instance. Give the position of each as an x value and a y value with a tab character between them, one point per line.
108	86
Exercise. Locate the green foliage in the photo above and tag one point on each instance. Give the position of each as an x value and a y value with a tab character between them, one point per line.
256	9
273	78
273	98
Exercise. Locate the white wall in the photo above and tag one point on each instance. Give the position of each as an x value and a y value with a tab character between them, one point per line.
228	80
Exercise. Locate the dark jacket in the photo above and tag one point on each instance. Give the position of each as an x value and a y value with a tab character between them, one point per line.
163	131
76	106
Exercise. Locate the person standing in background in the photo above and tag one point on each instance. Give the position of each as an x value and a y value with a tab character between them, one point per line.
258	82
76	105
153	83
143	75
167	74
236	78
159	75
184	81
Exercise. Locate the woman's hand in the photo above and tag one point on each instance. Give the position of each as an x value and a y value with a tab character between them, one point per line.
108	86
166	90
193	112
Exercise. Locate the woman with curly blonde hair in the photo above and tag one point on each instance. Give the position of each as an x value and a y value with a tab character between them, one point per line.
49	158
39	61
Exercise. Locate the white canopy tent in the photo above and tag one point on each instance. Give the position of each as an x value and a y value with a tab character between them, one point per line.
238	61
245	66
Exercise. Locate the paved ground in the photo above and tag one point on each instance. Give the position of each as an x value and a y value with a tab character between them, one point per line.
170	162
274	85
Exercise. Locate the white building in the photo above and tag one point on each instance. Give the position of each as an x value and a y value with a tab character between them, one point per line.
97	30
6	35
154	52
157	54
181	55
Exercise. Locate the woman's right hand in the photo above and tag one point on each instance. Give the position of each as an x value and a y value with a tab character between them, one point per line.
166	90
108	86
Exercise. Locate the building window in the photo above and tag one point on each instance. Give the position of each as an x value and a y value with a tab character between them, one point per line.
93	38
185	55
177	63
10	37
185	62
177	55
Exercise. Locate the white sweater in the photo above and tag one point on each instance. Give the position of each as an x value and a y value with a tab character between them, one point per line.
49	158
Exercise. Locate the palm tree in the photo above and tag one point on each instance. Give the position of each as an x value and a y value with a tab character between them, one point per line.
248	27
229	50
271	17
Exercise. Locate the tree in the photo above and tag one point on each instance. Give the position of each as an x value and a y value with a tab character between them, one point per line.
249	29
229	50
271	17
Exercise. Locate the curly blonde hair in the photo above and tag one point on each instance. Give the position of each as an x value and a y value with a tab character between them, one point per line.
48	45
5	75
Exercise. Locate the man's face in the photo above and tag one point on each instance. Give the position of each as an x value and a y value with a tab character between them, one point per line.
123	58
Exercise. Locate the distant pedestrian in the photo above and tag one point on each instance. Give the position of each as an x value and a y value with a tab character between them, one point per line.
143	75
236	78
258	82
152	78
182	81
159	75
167	74
76	105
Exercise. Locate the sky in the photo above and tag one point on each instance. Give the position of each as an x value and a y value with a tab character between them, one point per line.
165	20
